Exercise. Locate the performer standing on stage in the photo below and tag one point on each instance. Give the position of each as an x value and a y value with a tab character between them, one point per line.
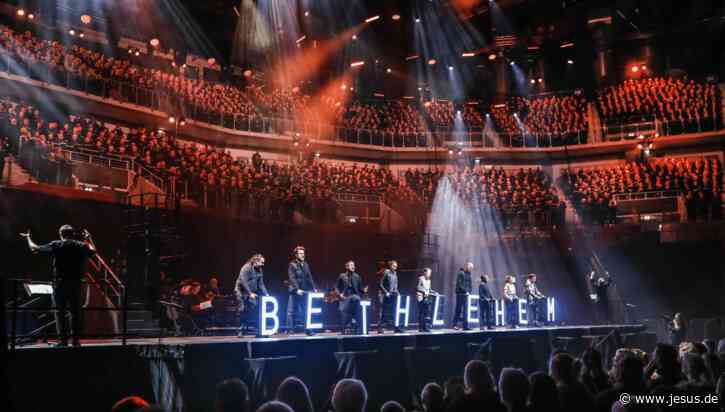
600	285
677	327
511	300
349	287
387	295
485	304
69	266
534	299
464	286
248	288
425	296
300	283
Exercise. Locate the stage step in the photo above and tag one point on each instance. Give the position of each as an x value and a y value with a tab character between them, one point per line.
142	323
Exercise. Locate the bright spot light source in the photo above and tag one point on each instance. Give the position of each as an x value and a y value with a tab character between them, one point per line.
635	69
396	17
450	68
357	64
307	13
427	104
468	54
354	37
182	122
248	73
301	39
81	35
371	19
31	16
512	62
644	68
492	56
317	154
432	62
138	53
570	61
540	80
417	19
72	32
641	136
450	151
389	70
155	42
516	115
86	19
639	146
172	119
211	61
488	114
532	81
21	12
343	87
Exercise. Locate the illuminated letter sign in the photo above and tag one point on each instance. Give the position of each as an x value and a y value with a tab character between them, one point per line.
402	311
364	305
550	309
268	311
472	308
500	312
313	310
437	311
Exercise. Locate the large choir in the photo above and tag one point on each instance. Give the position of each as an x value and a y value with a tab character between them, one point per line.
471	308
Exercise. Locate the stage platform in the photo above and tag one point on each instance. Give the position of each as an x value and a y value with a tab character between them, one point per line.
181	373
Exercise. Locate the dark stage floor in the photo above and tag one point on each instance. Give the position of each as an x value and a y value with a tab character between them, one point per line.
181	373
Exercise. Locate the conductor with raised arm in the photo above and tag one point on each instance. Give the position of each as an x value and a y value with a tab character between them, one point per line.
69	265
300	283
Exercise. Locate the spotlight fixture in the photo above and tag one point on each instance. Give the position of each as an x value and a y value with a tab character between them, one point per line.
396	17
639	146
357	64
635	69
86	19
81	35
372	19
432	62
516	115
182	121
389	70
248	73
307	13
488	114
644	68
532	81
468	54
450	68
31	16
21	12
540	80
354	37
512	62
72	32
450	151
154	42
211	61
570	61
138	53
492	56
172	119
130	51
417	19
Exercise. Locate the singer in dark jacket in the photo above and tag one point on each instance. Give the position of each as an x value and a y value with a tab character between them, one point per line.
349	287
300	283
464	286
388	294
486	304
248	288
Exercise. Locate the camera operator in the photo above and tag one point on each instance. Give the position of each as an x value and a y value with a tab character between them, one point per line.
69	264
